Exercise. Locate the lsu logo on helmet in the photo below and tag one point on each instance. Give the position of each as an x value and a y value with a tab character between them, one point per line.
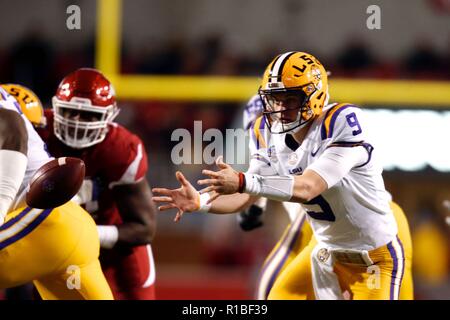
29	103
293	81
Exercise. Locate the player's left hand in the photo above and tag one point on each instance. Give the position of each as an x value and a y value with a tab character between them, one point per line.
224	181
185	198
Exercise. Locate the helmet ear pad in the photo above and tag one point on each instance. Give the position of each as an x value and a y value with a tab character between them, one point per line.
319	102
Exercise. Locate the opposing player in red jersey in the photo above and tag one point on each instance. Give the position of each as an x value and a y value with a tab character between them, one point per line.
116	191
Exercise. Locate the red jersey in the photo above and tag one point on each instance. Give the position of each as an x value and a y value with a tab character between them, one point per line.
119	159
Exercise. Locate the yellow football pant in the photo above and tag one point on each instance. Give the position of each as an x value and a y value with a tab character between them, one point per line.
404	234
286	273
57	249
295	238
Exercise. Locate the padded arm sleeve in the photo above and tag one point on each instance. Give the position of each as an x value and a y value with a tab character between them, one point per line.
336	162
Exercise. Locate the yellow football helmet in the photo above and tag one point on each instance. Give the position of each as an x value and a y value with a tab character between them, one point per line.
29	103
294	90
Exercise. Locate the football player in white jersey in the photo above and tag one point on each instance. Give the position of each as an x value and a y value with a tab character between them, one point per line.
43	246
317	155
297	233
21	154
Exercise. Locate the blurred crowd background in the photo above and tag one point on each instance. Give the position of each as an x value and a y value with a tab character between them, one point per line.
209	257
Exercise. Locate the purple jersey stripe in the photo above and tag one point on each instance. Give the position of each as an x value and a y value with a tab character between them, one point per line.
259	131
263	123
323	129
250	124
334	117
257	140
261	127
36	222
404	261
16	104
347	144
12	221
394	269
2	93
259	157
369	148
18	107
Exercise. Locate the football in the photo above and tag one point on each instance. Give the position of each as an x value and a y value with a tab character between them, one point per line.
55	183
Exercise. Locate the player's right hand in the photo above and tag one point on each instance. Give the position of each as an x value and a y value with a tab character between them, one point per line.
185	198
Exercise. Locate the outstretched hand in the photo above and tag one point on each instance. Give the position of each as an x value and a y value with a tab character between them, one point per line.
185	198
224	181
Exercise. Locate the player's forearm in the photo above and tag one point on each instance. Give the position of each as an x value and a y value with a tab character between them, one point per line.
306	189
231	203
138	214
139	231
135	234
329	169
127	234
285	188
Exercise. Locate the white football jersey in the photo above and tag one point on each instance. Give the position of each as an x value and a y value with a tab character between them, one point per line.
354	213
36	154
292	209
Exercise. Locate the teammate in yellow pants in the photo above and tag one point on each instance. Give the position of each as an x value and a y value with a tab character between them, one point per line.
291	266
57	249
296	237
407	287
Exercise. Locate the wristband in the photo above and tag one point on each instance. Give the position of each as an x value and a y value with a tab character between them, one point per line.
108	236
203	199
241	182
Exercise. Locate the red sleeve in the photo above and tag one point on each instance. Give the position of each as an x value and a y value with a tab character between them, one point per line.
126	160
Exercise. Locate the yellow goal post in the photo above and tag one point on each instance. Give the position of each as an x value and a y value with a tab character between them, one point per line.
423	94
